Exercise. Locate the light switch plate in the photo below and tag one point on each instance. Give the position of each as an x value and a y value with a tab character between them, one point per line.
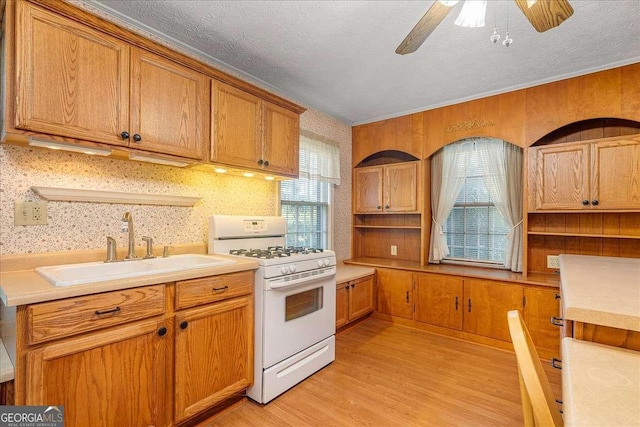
394	250
30	213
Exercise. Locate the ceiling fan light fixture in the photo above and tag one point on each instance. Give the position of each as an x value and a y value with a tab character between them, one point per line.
449	3
472	14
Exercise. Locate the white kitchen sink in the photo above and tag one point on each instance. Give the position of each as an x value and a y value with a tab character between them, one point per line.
91	272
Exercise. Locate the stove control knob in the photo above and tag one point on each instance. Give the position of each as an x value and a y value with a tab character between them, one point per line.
284	269
292	268
320	263
326	262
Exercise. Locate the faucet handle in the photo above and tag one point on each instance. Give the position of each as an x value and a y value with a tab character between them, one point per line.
149	241
165	251
111	250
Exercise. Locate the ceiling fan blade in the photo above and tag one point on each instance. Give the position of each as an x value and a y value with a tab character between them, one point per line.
423	28
546	14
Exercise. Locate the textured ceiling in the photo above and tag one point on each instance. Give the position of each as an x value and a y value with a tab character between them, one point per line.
339	56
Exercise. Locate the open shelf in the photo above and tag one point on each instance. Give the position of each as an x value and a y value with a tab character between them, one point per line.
399	227
602	236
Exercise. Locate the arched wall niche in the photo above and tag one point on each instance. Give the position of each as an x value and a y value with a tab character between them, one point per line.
470	138
386	157
590	129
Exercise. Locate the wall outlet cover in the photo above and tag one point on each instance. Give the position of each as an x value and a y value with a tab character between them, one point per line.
553	261
30	213
394	250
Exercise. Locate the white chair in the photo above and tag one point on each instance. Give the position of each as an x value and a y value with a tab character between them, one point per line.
538	404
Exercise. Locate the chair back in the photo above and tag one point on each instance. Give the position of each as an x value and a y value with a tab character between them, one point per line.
538	404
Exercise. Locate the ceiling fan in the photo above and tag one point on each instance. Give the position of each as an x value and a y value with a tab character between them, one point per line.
543	15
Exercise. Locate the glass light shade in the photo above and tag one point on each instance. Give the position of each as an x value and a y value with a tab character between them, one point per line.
157	160
448	2
54	145
220	170
531	3
472	14
248	174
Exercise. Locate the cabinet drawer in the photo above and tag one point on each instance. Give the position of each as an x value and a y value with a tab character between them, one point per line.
194	292
57	319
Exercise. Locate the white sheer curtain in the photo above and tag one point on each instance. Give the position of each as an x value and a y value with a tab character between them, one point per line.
502	165
319	160
449	164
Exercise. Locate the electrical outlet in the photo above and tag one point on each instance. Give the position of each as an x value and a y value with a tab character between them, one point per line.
30	213
394	250
553	261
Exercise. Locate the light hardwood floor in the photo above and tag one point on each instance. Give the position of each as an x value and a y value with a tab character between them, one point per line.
390	375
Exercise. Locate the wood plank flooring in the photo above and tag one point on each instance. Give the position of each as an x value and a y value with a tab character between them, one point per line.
390	375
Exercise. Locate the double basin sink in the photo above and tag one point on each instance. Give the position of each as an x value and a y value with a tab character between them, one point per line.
91	272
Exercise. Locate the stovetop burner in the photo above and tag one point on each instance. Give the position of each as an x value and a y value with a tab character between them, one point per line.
275	252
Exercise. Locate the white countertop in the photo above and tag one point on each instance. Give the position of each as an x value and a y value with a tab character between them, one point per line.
6	367
600	384
348	272
601	290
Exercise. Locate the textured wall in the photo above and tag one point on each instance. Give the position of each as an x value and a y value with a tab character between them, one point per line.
79	226
339	132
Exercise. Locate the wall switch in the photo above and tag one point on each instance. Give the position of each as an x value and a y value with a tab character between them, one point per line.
30	213
553	261
394	250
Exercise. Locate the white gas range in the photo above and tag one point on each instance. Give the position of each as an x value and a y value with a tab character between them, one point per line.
294	301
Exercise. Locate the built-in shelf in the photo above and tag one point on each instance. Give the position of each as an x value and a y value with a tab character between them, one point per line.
402	227
99	196
603	236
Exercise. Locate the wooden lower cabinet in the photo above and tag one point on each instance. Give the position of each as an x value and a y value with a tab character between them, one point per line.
213	354
439	300
486	305
111	378
395	292
540	305
354	299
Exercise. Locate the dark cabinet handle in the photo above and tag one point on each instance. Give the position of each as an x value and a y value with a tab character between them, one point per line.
386	206
111	311
585	202
184	324
469	305
378	207
407	297
224	288
137	137
260	162
557	321
594	202
554	363
124	134
162	331
556	296
266	162
353	285
456	303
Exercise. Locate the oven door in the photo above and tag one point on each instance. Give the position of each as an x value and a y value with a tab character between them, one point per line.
297	315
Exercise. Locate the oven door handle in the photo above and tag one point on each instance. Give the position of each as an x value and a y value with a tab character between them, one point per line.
303	280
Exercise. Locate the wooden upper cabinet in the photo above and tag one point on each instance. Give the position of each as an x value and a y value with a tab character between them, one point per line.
401	187
169	106
236	128
439	300
389	188
368	189
281	140
249	132
561	176
111	378
615	182
71	80
595	175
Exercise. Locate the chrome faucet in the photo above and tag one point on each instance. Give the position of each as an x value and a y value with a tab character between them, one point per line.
132	249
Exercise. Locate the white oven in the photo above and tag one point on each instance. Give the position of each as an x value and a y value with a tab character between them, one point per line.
295	292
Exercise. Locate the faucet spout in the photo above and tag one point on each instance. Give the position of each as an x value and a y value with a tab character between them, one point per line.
132	250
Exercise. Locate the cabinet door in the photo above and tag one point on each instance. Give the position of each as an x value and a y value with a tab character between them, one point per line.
439	300
112	378
236	130
213	354
486	307
72	81
342	304
400	187
361	297
540	306
615	182
281	140
368	190
169	106
395	293
562	177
